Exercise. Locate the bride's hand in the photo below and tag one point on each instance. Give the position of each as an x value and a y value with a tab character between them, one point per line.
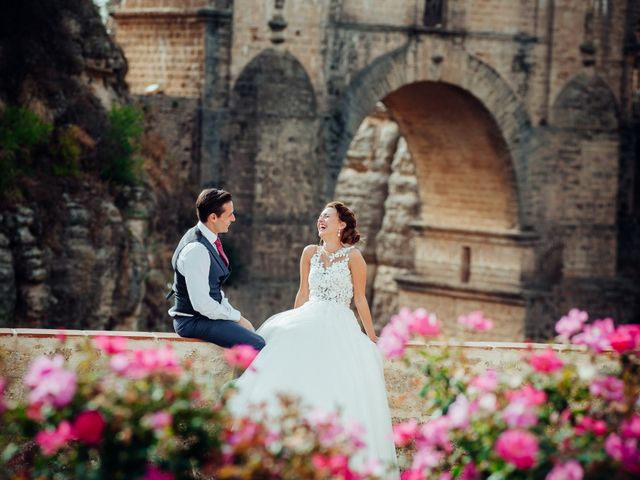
373	338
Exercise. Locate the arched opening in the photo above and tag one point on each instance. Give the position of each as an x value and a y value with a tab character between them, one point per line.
434	180
272	170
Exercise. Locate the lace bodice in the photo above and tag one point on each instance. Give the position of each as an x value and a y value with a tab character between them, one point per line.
332	282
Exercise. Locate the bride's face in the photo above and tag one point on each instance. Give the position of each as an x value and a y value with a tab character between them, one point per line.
328	223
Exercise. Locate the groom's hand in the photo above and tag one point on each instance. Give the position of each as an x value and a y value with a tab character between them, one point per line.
246	324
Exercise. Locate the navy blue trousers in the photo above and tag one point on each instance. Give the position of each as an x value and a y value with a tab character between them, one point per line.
225	333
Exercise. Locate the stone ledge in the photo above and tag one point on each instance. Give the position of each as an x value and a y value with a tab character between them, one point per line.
19	346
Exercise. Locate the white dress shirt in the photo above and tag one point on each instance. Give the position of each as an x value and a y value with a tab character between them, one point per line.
194	263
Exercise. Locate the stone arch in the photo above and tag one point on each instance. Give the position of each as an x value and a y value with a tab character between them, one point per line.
455	67
271	145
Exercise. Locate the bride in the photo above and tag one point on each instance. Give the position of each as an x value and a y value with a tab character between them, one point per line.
317	351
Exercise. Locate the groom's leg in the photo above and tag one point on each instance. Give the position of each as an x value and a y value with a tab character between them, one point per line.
225	333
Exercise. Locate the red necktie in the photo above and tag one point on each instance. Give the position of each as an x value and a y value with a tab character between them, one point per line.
221	251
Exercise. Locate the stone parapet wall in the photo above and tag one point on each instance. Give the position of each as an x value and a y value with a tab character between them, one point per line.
19	347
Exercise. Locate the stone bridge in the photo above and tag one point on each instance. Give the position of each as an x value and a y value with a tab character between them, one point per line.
515	118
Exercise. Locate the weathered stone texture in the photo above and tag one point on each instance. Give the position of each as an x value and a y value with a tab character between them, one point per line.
513	112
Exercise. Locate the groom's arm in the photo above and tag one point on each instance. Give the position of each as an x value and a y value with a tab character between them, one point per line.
194	263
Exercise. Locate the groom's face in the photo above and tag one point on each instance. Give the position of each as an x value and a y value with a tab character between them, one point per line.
220	223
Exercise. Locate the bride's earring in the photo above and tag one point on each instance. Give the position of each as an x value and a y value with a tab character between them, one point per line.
338	232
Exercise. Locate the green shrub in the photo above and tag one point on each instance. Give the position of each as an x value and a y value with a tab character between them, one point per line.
21	133
120	161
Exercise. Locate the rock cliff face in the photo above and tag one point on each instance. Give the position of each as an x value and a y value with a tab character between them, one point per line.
378	181
75	251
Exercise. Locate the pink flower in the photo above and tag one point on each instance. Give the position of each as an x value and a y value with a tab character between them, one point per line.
625	338
609	388
390	344
426	458
50	441
327	424
613	446
424	323
588	424
240	356
469	472
518	447
336	465
545	362
404	432
460	411
625	451
596	335
527	394
571	323
485	382
411	474
520	414
372	468
566	471
435	433
476	321
631	427
144	362
154	473
111	344
88	427
160	420
49	383
355	432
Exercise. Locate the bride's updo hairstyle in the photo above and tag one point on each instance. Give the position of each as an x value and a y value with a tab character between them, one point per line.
349	234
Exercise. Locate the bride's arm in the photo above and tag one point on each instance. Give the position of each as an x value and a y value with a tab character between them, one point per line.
305	260
359	274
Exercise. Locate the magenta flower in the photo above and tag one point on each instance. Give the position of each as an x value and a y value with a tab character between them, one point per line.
571	323
625	338
631	427
613	446
49	383
518	447
144	362
545	362
404	433
476	321
111	344
240	356
625	451
469	472
88	427
596	335
588	424
154	473
50	441
609	388
572	470
485	382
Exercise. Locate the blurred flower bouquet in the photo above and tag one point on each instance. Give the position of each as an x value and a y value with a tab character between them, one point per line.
548	418
138	414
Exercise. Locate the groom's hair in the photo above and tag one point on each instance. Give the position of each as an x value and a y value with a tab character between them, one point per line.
210	201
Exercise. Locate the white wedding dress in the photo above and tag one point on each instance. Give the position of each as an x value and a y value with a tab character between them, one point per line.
319	353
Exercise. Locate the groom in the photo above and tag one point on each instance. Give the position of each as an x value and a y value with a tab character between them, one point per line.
201	267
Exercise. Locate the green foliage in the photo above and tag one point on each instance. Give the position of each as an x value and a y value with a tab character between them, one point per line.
21	133
69	151
120	161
